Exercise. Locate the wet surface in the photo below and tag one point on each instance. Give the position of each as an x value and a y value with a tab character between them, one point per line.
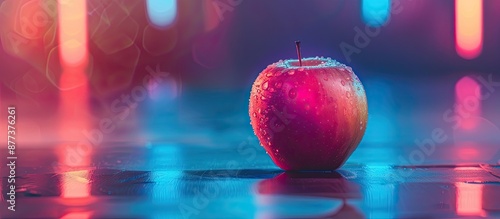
201	160
134	182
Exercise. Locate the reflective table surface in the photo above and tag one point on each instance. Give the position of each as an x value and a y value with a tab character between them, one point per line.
183	181
202	160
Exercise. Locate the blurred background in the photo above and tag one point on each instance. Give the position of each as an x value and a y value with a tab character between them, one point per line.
162	69
171	80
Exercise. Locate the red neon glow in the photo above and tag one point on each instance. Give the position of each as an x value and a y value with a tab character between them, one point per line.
73	53
72	29
469	28
77	152
77	215
74	104
467	151
468	102
469	199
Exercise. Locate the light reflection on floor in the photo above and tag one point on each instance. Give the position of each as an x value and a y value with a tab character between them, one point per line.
262	191
469	199
181	170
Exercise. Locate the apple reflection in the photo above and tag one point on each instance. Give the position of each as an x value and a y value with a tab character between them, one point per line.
311	192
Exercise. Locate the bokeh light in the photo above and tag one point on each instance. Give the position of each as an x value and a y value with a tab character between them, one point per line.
161	13
469	28
72	20
375	12
468	103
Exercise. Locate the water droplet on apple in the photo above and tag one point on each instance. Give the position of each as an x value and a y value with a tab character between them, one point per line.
342	82
292	93
265	85
291	72
278	85
254	114
307	107
325	78
259	111
301	69
258	91
262	97
348	94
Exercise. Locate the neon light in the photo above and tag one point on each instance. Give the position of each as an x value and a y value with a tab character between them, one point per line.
468	103
161	13
375	12
73	54
72	20
469	28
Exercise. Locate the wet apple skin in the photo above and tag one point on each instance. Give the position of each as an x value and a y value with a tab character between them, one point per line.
310	117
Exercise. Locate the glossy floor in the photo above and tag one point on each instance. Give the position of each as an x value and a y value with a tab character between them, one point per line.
201	160
183	181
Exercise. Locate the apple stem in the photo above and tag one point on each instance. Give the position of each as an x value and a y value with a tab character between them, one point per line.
297	45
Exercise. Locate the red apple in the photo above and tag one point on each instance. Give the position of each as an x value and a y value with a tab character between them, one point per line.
310	116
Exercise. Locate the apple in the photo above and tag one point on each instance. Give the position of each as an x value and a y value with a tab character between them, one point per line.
308	114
